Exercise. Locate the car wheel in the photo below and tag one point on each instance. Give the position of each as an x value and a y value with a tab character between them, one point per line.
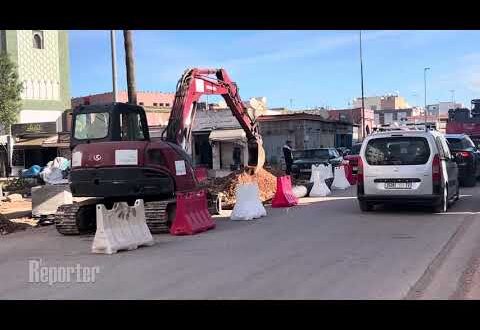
442	207
365	206
470	181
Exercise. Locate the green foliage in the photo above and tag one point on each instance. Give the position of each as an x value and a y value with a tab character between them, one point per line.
10	89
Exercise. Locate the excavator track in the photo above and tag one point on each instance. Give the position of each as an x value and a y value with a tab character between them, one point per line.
159	215
77	218
80	218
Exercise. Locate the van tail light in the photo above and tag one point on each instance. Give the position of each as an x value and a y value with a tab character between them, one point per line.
360	171
436	169
463	154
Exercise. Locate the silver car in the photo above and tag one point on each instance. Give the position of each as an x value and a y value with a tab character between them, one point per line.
408	167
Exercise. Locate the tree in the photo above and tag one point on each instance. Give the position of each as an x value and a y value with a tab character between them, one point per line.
10	89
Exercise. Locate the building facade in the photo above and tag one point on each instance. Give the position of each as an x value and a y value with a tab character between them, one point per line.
389	116
147	99
42	60
388	101
305	130
354	116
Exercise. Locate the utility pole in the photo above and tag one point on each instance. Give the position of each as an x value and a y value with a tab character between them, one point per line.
132	92
363	98
114	65
425	94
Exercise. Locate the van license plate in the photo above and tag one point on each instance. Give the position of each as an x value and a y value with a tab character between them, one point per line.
398	185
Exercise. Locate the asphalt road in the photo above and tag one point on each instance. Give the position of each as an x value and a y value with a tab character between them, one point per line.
323	249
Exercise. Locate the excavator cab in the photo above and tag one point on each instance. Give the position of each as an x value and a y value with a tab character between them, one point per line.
109	122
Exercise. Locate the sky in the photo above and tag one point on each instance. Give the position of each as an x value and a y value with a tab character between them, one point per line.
297	69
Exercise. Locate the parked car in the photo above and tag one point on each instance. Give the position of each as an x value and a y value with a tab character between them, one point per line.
467	157
304	159
342	151
353	157
414	167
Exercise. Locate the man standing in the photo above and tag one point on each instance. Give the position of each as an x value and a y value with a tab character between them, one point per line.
287	154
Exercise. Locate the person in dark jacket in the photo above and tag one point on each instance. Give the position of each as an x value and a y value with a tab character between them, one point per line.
287	154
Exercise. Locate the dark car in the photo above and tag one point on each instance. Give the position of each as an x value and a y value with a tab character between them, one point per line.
304	159
467	157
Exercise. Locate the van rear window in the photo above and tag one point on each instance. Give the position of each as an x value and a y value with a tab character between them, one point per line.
397	151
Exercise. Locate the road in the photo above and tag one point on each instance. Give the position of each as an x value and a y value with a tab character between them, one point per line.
324	248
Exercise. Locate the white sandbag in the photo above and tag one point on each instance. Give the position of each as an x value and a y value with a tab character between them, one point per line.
320	188
340	180
299	191
248	205
121	228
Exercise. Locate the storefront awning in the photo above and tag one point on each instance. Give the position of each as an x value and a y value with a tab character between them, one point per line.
54	142
228	135
29	143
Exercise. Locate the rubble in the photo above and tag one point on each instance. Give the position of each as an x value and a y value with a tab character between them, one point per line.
7	226
14	198
267	184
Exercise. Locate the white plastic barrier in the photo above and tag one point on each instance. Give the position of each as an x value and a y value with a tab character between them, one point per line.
121	228
299	191
340	180
320	188
329	171
248	205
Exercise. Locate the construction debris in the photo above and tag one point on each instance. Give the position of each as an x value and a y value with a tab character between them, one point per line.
14	198
7	226
267	183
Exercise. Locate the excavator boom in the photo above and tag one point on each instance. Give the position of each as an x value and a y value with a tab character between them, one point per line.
195	83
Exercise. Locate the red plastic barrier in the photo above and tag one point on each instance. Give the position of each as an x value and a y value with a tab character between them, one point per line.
352	179
192	214
201	173
284	196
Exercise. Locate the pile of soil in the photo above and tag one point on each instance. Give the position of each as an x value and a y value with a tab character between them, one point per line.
7	226
267	184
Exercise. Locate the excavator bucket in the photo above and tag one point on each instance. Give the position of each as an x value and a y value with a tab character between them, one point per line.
256	156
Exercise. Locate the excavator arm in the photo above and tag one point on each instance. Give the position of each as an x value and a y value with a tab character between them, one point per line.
195	83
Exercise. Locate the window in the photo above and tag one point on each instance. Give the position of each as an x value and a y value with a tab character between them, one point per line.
155	104
38	39
315	153
91	126
18	157
161	104
397	151
167	104
141	103
131	127
458	144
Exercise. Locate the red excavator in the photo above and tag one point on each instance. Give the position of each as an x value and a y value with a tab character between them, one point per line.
114	158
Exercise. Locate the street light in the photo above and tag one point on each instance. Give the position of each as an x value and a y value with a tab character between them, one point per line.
425	85
363	98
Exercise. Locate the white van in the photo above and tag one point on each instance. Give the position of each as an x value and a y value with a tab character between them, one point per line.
407	167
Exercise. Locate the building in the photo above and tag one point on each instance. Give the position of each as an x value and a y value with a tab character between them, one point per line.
305	130
42	61
147	99
389	116
354	116
216	134
441	108
389	101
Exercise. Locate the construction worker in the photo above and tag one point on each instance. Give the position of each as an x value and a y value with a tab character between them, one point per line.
288	155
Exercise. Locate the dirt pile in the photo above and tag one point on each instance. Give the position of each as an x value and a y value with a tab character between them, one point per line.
267	184
7	226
